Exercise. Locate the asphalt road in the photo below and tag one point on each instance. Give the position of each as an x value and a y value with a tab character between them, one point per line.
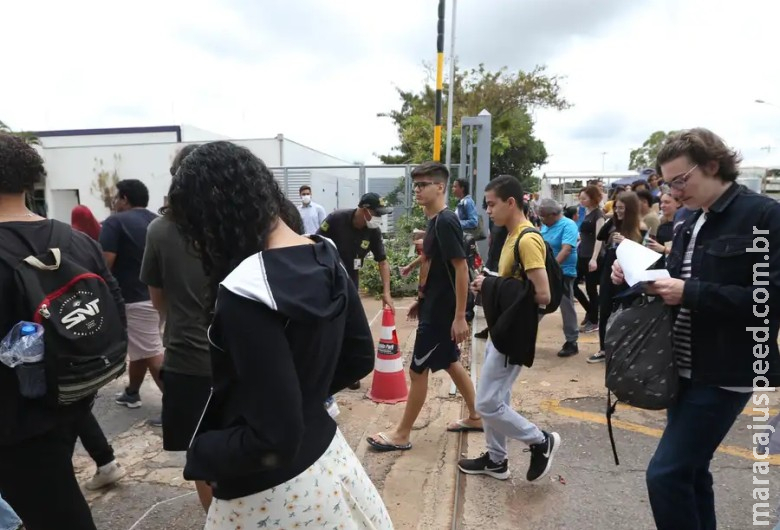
585	489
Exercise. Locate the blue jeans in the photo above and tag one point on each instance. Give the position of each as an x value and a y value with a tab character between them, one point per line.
679	481
8	518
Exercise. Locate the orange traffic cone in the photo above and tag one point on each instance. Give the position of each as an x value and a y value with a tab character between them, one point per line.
389	384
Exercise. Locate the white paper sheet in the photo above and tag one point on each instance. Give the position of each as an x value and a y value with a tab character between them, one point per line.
635	259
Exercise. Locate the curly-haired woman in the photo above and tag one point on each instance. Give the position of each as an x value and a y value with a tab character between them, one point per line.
288	331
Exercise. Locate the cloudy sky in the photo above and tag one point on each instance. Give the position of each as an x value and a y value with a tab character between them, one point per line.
320	71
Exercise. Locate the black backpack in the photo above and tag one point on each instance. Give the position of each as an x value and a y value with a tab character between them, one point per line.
641	366
554	272
85	341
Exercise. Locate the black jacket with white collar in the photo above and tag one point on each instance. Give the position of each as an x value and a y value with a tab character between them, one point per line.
289	331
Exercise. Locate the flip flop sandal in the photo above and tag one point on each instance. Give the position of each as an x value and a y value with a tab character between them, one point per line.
387	444
462	426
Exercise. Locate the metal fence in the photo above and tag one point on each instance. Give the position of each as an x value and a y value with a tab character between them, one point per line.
340	187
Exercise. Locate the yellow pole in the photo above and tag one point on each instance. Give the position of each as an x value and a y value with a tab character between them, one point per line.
439	83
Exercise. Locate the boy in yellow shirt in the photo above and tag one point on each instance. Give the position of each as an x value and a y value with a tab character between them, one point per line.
504	197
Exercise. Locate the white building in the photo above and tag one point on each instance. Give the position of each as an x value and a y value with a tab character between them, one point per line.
83	165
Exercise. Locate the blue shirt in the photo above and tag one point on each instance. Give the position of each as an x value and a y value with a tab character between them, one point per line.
581	211
467	212
312	216
563	232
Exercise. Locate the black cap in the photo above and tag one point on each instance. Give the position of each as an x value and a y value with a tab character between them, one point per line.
375	203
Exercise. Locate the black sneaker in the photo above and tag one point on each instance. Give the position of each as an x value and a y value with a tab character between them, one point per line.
542	456
481	334
129	400
484	466
569	349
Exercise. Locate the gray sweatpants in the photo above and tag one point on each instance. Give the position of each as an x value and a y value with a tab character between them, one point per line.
571	329
568	313
494	404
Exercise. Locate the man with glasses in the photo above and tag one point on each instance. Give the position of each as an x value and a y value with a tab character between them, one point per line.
725	273
123	239
440	309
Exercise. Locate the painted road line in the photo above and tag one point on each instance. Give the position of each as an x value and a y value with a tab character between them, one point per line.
748	411
556	408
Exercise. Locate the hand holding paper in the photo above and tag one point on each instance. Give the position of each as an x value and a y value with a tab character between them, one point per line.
634	259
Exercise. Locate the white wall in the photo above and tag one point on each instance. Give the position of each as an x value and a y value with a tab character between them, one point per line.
296	154
77	168
72	165
194	134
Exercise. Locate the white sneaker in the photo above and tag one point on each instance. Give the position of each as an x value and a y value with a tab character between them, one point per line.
105	476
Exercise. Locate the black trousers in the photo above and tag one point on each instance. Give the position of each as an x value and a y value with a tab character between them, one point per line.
608	291
94	441
38	481
589	303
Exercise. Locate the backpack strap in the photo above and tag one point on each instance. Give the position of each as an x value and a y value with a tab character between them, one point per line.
518	262
610	411
61	235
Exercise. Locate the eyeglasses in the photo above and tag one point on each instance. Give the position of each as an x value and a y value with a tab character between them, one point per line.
421	184
679	183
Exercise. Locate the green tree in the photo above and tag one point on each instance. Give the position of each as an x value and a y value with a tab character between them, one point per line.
28	137
509	97
645	156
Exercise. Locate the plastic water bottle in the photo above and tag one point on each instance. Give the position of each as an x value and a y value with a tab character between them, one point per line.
31	371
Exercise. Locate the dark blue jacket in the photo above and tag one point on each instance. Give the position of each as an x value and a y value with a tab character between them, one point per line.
734	329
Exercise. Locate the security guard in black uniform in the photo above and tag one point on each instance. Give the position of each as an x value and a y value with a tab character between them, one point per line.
356	232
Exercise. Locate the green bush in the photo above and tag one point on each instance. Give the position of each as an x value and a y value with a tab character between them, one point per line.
400	252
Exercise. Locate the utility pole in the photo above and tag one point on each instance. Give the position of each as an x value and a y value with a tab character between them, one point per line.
451	91
439	82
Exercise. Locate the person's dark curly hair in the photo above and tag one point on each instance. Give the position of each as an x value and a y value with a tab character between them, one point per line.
134	192
20	165
225	201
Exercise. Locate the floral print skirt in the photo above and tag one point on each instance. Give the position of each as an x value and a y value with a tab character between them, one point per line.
334	493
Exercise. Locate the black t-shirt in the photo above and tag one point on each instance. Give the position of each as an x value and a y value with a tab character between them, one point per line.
665	232
124	234
21	418
588	233
352	243
443	242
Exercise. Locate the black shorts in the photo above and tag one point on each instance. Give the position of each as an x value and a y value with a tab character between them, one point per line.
184	398
434	348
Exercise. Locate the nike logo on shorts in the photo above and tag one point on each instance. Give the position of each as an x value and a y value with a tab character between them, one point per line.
421	361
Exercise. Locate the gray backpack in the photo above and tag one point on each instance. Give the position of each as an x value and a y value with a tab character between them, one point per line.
641	366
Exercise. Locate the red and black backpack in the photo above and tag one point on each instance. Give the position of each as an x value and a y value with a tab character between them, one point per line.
85	340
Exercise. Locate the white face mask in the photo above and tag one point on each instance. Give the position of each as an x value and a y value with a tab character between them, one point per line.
374	222
306	199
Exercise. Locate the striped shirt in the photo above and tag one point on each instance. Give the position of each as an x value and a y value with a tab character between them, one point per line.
681	332
682	326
